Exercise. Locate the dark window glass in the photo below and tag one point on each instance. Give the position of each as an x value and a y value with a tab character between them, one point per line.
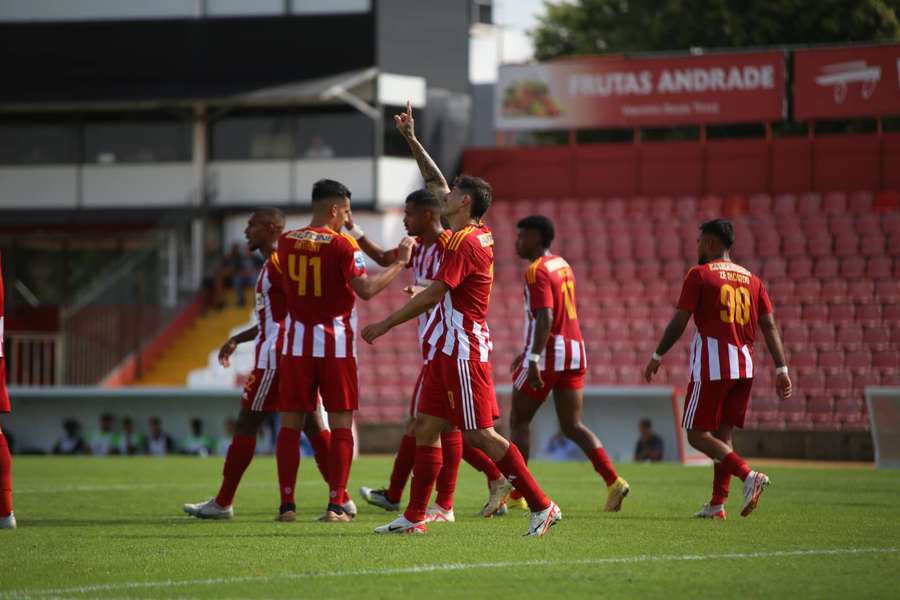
149	142
334	135
253	138
38	144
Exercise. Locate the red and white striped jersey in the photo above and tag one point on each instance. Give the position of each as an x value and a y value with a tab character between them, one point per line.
458	325
317	265
726	300
270	313
425	263
550	283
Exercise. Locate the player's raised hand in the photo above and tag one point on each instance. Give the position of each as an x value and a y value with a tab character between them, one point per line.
783	386
372	332
404	122
651	369
516	363
534	376
226	351
405	248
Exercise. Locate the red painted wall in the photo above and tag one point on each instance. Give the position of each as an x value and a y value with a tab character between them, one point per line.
825	163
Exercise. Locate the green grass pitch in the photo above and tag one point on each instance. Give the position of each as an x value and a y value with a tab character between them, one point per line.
113	528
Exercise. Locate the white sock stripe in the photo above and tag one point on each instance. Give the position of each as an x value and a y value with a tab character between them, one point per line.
435	568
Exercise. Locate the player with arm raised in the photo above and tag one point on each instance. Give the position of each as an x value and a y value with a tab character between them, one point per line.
7	517
727	302
322	272
554	358
458	387
260	396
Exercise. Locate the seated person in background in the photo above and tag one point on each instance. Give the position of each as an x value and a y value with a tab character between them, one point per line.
159	443
129	442
196	443
71	442
102	441
318	148
560	447
225	442
649	445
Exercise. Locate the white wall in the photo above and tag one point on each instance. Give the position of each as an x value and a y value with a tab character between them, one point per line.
38	187
397	177
137	186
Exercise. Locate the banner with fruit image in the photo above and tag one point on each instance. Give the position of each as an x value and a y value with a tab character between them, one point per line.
626	92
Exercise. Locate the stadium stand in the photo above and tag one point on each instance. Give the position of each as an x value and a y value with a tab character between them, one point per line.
830	262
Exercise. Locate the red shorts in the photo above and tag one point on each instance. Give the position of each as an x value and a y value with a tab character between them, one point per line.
304	378
709	404
553	380
261	391
459	391
4	394
417	392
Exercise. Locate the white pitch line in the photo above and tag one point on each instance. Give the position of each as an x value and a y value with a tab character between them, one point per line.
170	583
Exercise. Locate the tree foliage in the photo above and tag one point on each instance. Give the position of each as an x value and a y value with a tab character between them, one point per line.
620	26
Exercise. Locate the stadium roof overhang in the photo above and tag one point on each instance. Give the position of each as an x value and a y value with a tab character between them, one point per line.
356	88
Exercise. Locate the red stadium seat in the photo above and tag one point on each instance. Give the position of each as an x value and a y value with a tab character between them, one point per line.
815	312
826	267
759	205
886	200
853	267
818	245
788	312
868	224
860	291
890	223
877	337
886	360
834	291
831	361
887	291
872	245
809	204
808	290
868	314
846	244
780	290
860	202
800	267
822	336
841	223
767	245
834	203
793	245
858	362
820	410
795	334
785	204
879	267
849	335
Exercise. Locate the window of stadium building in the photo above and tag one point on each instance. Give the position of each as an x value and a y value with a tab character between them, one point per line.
307	135
38	144
131	142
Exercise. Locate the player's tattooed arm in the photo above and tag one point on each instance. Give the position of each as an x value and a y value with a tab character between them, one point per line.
434	179
229	347
366	287
767	325
543	319
416	305
671	335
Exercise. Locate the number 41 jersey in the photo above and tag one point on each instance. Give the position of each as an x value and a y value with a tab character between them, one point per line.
726	300
317	265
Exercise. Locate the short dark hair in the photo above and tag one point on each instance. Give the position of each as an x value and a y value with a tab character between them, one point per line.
325	189
542	225
646	423
721	229
479	190
271	214
424	200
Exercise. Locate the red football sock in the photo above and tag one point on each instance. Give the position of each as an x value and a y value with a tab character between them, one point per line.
480	462
513	466
240	453
602	465
6	505
403	466
721	479
340	457
287	458
321	443
451	452
735	465
425	472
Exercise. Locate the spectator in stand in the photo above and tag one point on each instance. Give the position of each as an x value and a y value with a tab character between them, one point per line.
129	442
244	268
560	447
159	443
196	443
214	274
649	446
71	442
225	442
103	440
318	148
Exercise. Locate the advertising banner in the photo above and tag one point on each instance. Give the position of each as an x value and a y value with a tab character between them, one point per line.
846	82
623	92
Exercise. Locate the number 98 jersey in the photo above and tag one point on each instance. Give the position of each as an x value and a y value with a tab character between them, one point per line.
726	300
